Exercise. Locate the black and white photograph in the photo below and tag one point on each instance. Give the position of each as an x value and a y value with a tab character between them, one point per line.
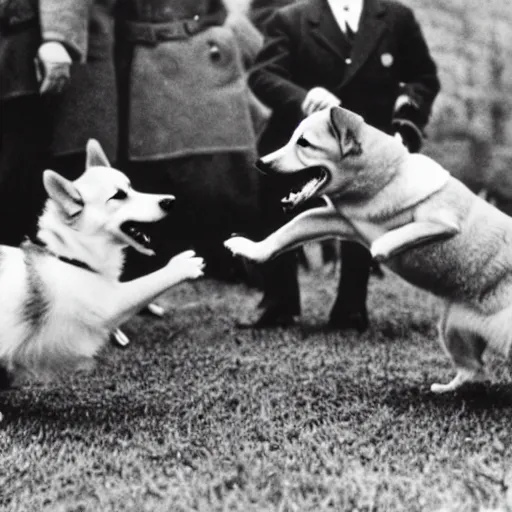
255	256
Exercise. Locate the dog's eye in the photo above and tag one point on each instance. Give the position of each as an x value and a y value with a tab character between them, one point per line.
120	195
302	141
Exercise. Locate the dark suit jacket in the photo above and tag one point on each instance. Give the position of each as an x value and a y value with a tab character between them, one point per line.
305	48
262	10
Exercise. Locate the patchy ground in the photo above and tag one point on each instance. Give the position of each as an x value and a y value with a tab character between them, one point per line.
196	415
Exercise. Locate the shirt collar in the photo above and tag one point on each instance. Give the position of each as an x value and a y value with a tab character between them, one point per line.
347	11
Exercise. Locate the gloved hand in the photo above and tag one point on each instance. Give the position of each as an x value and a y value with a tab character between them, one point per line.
53	65
409	134
317	99
404	123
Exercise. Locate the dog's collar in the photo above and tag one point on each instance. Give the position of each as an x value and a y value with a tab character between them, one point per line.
72	261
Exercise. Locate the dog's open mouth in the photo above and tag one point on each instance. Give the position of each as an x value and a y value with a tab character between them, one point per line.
305	184
137	238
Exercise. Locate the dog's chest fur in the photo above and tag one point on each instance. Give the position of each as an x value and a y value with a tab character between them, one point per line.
51	318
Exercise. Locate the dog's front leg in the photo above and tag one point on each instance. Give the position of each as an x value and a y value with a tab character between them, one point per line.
412	235
314	224
132	296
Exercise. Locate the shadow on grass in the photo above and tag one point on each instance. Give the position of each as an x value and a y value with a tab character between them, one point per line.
379	332
110	411
474	396
61	411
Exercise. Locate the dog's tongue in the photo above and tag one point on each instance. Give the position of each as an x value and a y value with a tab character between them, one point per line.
304	193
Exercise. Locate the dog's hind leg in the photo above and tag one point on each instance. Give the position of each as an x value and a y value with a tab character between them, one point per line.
461	377
465	347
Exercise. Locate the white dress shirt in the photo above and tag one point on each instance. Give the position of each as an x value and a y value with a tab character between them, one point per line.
347	12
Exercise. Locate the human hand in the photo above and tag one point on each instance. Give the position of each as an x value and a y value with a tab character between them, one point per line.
317	99
53	65
402	101
408	134
406	123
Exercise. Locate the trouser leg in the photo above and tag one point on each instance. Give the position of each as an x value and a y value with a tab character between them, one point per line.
281	293
24	143
215	196
350	304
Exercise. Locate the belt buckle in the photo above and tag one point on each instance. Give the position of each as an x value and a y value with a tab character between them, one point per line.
149	35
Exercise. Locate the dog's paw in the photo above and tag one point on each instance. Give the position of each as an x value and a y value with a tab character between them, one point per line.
241	246
379	252
439	388
189	265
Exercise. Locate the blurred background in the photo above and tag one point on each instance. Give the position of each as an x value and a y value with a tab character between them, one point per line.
471	129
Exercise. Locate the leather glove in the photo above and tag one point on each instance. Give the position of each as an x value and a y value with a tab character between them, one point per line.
53	65
410	135
405	123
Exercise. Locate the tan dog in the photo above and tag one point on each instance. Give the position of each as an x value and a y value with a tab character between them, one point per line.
427	226
60	293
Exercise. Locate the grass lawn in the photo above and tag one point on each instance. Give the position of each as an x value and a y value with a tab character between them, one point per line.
196	415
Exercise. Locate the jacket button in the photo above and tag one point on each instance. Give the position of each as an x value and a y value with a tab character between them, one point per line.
348	61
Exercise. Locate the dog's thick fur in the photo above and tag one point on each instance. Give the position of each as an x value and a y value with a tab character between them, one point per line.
424	224
60	294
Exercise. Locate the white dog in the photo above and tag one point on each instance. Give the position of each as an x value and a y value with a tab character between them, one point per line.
60	293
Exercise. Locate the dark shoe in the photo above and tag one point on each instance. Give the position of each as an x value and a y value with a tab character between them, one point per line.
357	320
268	317
376	270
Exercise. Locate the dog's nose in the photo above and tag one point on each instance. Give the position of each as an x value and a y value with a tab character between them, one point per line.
166	203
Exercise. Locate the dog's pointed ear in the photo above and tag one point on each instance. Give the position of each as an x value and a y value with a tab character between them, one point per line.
95	155
345	130
337	122
63	192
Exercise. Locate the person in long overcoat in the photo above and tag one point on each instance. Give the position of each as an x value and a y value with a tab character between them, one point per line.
57	90
379	67
188	122
87	106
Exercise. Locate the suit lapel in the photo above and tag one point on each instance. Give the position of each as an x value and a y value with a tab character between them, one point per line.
371	28
325	30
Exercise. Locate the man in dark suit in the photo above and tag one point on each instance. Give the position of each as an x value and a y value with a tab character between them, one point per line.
370	56
261	10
